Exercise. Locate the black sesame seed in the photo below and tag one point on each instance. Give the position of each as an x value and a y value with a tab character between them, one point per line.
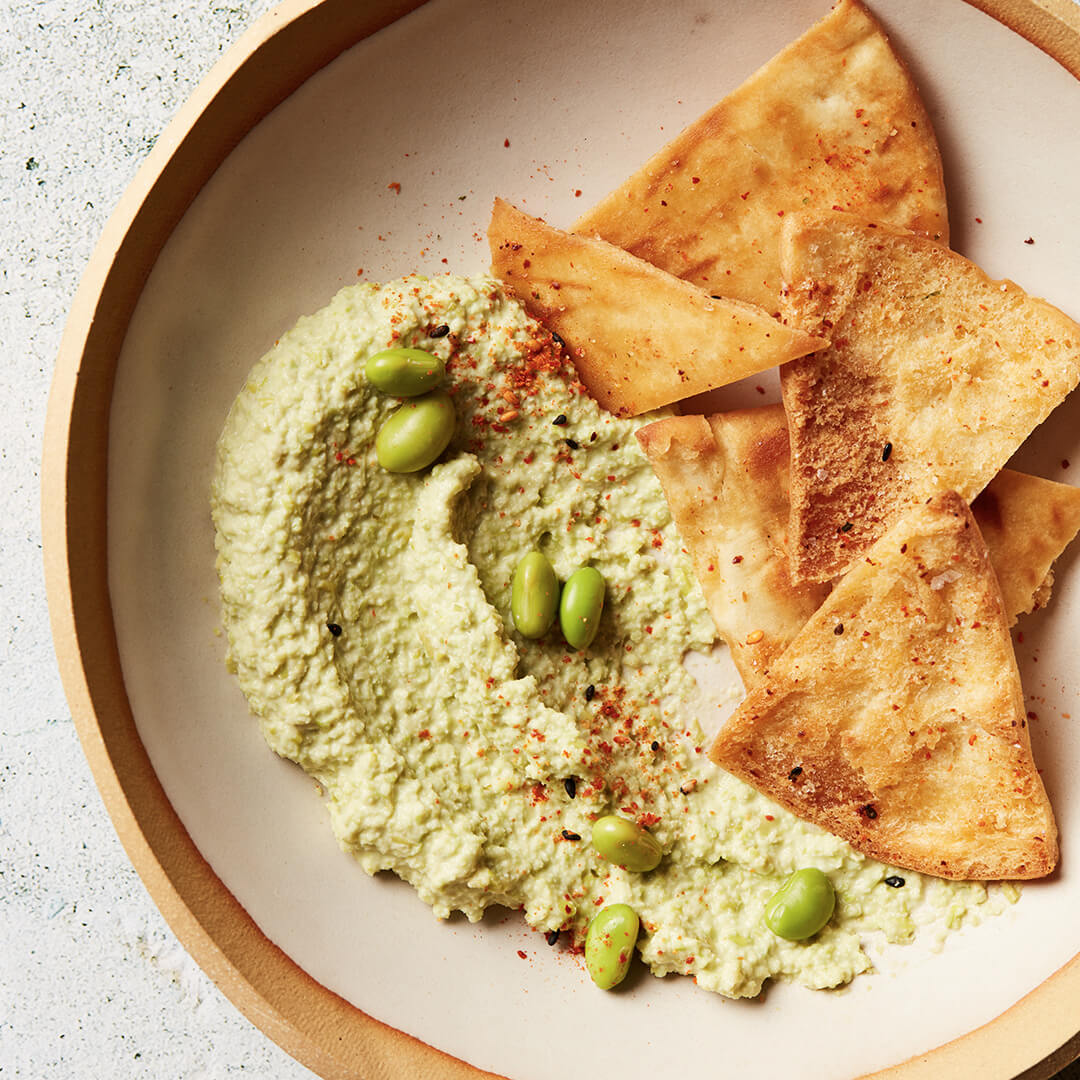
551	936
570	783
795	773
573	445
590	692
885	454
568	835
838	629
894	881
334	629
846	527
439	331
558	340
655	746
869	811
559	420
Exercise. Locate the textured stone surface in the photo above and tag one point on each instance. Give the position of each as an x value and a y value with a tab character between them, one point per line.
92	983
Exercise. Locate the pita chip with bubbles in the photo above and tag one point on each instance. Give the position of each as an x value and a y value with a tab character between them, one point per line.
896	720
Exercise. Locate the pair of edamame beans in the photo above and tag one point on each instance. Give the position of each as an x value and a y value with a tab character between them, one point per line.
535	600
609	942
417	432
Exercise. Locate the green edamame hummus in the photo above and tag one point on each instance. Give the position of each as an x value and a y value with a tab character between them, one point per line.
368	619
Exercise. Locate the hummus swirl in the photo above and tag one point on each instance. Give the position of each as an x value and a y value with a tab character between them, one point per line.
368	622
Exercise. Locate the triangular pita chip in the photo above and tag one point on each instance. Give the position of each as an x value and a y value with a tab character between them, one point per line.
1027	522
896	719
832	121
726	481
639	337
934	376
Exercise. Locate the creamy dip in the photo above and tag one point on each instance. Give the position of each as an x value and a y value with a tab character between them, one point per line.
368	622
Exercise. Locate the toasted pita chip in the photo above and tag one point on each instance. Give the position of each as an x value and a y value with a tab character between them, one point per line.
1027	522
639	337
896	719
726	481
832	121
935	375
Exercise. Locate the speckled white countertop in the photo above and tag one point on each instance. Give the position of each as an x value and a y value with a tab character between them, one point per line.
92	982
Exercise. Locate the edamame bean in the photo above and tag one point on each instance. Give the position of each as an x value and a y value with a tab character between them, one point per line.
534	595
626	843
404	372
609	944
802	905
416	433
581	606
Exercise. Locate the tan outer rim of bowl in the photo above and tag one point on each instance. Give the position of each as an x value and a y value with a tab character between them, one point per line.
318	1028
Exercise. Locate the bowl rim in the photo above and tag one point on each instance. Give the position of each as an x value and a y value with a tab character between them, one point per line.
1031	1040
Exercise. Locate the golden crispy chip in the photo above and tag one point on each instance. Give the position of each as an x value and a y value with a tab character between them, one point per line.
934	376
639	337
896	719
832	121
1027	522
726	482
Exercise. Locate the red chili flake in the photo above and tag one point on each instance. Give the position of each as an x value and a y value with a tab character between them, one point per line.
523	954
744	195
689	960
760	389
1064	463
1030	240
978	221
577	193
506	142
737	559
779	213
395	187
423	733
